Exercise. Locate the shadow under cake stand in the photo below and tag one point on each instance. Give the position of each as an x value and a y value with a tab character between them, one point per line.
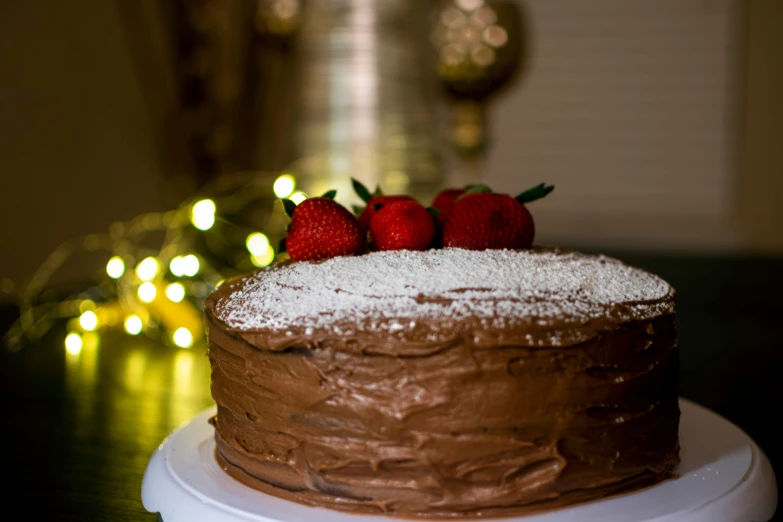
723	477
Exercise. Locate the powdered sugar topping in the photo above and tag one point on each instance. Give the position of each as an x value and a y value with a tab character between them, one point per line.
394	289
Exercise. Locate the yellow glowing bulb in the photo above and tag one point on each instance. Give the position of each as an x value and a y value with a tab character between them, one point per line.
147	269
115	267
298	197
176	266
73	343
147	292
88	320
263	259
133	324
183	338
175	292
284	186
190	265
202	215
257	243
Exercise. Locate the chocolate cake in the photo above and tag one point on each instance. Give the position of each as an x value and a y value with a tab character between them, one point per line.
445	383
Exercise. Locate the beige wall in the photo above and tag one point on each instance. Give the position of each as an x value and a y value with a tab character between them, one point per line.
762	182
633	110
76	147
660	123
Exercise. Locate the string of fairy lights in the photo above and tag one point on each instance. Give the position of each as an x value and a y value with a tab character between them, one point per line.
158	293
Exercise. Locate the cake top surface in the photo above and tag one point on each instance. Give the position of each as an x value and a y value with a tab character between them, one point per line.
391	291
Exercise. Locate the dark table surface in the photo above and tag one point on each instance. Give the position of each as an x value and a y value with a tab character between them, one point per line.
78	430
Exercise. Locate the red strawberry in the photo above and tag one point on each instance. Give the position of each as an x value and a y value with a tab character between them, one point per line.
321	228
446	198
402	225
369	211
487	221
443	202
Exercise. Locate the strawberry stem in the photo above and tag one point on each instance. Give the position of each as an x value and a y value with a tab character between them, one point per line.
361	191
534	193
289	207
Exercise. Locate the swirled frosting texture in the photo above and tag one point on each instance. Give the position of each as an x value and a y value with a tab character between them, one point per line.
445	383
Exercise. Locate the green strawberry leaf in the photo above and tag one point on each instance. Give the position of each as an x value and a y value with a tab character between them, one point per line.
474	189
534	193
378	191
281	247
289	207
434	212
361	191
477	189
357	210
330	194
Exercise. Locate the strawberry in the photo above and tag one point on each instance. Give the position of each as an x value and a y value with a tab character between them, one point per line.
445	199
481	220
402	225
443	202
375	202
321	228
372	202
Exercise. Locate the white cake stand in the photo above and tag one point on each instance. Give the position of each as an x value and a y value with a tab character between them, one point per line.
724	477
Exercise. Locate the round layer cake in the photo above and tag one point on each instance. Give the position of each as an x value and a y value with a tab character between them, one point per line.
445	383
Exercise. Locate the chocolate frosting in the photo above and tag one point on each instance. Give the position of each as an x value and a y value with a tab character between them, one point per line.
447	417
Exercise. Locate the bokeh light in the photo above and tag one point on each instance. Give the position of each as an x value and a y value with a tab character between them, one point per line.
482	55
452	18
73	343
286	9
257	243
183	338
202	214
88	320
470	5
495	36
147	269
147	292
133	324
190	265
176	266
115	267
284	186
298	197
175	292
263	259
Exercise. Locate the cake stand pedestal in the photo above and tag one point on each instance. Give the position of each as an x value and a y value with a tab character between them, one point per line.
723	477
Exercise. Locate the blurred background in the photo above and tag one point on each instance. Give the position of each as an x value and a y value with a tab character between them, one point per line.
658	122
144	146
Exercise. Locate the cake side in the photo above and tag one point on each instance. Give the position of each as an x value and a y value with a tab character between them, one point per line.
475	415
